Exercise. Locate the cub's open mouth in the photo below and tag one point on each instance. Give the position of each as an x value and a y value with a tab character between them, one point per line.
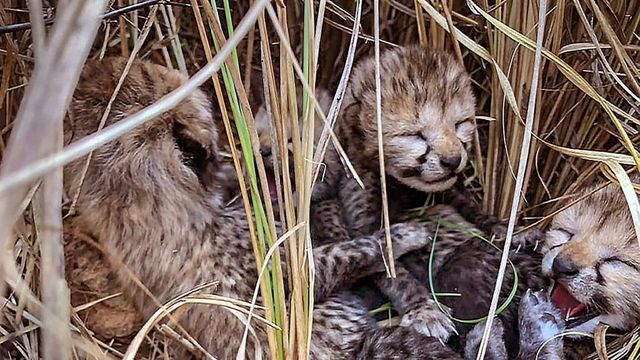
271	181
572	310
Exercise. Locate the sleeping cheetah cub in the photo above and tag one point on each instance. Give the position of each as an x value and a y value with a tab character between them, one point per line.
152	198
428	112
428	123
592	252
452	270
464	261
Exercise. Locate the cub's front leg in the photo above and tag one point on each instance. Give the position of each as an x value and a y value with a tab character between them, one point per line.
413	301
327	222
362	211
343	262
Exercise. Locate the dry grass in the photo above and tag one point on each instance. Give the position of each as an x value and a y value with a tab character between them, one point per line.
583	118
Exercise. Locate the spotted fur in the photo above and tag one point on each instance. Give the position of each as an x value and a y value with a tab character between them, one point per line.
592	250
427	124
153	200
464	263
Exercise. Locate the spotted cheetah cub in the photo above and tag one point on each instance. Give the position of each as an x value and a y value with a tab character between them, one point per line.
428	124
462	260
265	128
592	252
428	111
152	198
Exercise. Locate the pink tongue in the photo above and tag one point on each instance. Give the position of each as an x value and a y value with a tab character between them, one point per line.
273	191
568	305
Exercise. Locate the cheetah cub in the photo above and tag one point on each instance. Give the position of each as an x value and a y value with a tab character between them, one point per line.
152	198
265	128
428	114
592	252
463	260
428	111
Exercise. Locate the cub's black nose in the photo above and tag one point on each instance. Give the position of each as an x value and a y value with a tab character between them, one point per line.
564	266
451	162
265	151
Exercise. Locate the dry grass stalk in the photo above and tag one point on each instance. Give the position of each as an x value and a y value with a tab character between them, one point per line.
236	159
55	293
522	168
40	115
275	303
37	28
389	262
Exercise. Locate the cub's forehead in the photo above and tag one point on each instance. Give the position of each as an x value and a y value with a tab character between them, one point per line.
461	107
575	218
598	211
437	99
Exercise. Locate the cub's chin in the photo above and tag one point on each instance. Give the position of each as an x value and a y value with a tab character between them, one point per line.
421	184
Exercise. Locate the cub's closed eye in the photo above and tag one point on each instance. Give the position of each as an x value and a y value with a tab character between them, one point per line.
617	260
565	232
413	135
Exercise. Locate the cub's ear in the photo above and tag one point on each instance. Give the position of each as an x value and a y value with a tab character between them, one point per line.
196	155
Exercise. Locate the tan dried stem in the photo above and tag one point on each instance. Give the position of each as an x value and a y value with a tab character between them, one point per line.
40	115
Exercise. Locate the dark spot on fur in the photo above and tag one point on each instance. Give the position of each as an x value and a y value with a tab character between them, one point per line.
599	278
194	155
357	132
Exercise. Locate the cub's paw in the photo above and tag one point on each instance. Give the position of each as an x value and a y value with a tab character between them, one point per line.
540	322
496	348
429	321
527	239
408	236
